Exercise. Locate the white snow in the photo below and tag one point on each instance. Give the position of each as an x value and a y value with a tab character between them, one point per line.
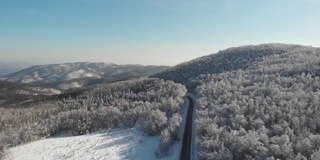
46	91
38	91
27	80
66	86
115	145
80	74
36	75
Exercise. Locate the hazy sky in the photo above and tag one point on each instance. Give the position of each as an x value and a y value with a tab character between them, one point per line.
157	32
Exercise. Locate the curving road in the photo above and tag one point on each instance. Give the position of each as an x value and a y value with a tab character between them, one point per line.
187	137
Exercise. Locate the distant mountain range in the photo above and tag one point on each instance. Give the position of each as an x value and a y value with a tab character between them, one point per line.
75	75
11	67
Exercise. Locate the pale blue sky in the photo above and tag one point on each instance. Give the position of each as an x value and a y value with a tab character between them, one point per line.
157	32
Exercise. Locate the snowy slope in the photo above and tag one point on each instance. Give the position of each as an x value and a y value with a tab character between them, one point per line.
115	145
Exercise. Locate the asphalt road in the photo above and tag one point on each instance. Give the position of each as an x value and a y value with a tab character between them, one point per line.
186	144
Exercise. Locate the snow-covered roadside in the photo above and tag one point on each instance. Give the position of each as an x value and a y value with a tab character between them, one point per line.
115	145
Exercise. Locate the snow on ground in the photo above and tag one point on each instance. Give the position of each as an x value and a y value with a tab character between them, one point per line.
115	145
118	144
80	74
66	86
27	80
38	91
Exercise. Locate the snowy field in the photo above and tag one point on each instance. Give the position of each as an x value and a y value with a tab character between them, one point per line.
115	145
118	144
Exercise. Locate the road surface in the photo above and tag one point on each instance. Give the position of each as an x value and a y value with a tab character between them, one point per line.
187	137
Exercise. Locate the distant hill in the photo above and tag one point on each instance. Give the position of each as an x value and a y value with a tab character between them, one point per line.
75	75
11	67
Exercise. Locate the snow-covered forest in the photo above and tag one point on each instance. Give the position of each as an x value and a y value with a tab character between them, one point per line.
150	104
256	102
270	110
224	61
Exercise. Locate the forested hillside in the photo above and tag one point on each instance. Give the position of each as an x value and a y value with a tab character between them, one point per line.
256	102
14	94
270	110
150	104
226	60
